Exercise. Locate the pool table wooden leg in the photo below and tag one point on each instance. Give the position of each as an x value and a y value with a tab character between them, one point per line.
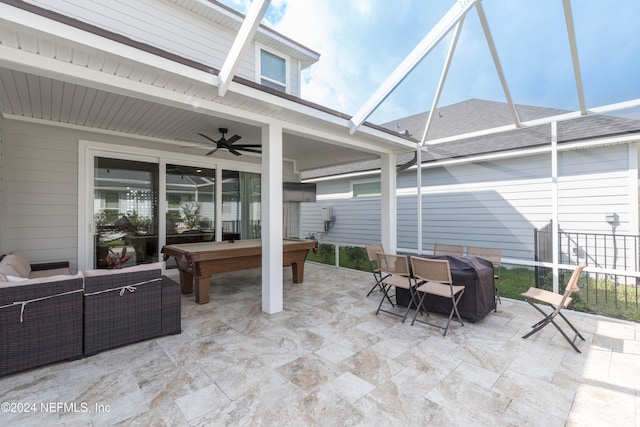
203	285
297	268
186	282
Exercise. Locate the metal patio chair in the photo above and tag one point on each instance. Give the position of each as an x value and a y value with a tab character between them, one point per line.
535	296
396	274
372	253
447	249
494	256
435	275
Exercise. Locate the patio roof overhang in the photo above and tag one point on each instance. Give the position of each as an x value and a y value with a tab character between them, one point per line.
59	71
76	77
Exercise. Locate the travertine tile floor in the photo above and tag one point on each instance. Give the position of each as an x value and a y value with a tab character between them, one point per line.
327	360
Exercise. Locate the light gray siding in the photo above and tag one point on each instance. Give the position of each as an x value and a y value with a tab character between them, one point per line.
357	220
168	27
498	203
40	168
155	23
591	185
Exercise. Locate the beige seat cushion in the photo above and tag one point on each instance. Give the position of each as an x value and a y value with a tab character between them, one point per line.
47	273
38	280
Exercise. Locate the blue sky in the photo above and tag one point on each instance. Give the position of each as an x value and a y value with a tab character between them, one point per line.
362	41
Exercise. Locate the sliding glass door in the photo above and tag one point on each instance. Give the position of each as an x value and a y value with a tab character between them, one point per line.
125	212
135	203
190	205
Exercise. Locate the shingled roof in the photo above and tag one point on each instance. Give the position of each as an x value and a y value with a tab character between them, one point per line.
475	115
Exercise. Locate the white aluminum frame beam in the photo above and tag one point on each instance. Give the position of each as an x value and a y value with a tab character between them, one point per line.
496	61
443	78
437	33
568	16
243	39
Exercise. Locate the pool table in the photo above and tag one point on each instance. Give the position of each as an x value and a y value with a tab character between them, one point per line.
199	261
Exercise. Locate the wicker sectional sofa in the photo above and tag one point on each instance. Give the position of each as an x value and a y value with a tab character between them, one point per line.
123	306
47	319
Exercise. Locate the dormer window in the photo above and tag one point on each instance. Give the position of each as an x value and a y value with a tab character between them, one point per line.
273	70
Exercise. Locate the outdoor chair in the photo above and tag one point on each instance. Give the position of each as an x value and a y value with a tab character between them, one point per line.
535	296
446	249
435	275
396	274
494	256
372	254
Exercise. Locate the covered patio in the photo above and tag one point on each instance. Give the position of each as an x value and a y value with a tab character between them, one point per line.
264	351
327	359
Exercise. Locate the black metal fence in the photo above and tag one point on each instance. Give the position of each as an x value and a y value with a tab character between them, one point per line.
616	254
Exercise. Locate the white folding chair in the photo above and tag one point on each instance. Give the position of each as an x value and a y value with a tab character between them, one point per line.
435	276
534	296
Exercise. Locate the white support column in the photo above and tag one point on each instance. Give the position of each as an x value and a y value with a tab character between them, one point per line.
388	232
419	195
554	203
633	189
271	201
218	205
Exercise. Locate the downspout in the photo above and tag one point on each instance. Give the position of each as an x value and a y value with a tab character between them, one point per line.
403	167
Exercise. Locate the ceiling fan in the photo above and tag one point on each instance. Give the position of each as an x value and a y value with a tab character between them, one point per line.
228	144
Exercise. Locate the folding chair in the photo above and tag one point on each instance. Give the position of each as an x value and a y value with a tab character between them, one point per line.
396	274
534	296
435	275
446	249
372	253
494	256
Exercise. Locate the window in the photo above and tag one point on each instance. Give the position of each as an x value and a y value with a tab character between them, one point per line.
366	189
273	71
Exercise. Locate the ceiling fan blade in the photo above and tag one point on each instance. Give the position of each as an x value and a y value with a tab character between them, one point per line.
205	136
234	151
212	151
250	150
233	139
247	145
